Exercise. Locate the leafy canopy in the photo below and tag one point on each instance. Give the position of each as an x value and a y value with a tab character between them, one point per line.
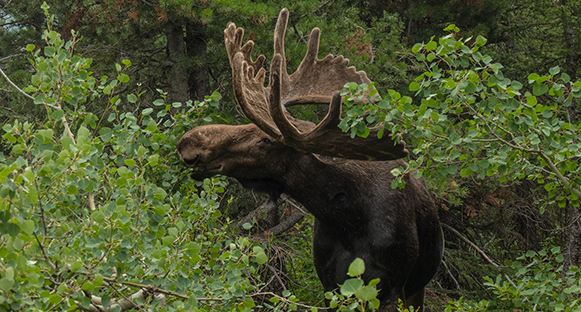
466	118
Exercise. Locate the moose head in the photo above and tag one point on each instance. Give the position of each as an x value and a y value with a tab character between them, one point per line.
357	214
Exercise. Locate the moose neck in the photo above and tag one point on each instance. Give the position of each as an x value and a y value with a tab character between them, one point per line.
333	193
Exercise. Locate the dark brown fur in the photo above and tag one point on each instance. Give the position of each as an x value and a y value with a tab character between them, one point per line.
396	232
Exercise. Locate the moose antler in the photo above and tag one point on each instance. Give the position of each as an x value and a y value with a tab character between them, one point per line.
315	82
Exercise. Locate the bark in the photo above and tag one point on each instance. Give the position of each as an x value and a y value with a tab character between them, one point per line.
266	216
176	57
198	78
287	223
569	33
572	57
572	252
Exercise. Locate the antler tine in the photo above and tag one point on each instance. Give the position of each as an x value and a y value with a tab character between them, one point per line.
279	33
316	80
250	93
326	138
233	40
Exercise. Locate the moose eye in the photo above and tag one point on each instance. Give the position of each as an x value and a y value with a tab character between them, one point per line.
265	141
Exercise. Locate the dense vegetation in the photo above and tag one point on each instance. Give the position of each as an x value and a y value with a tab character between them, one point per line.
96	210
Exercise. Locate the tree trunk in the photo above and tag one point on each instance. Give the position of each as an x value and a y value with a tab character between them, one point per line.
198	81
572	251
176	57
569	33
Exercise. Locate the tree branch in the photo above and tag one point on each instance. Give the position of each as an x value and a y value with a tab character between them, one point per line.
63	119
14	85
482	253
560	176
286	224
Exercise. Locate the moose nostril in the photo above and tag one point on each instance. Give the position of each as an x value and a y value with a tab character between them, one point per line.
191	161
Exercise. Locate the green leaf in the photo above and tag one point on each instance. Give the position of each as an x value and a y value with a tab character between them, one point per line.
464	172
414	86
9	273
431	56
132	98
470	87
416	48
540	89
249	303
351	286
533	77
261	257
12	229
30	47
480	40
554	70
27	226
49	51
356	268
97	216
366	293
123	78
531	100
39	99
6	284
18	243
76	265
57	114
432	45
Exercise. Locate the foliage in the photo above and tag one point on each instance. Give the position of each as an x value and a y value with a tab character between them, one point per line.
91	215
473	121
540	284
354	295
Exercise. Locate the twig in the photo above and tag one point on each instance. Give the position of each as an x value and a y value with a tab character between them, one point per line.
451	275
148	287
52	265
10	56
41	211
285	300
275	272
63	119
482	253
14	85
92	201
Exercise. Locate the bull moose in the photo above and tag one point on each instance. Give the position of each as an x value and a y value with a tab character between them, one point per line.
357	214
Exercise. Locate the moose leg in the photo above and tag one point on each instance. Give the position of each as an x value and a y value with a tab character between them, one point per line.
416	300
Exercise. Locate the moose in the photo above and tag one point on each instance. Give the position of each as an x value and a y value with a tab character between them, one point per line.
344	182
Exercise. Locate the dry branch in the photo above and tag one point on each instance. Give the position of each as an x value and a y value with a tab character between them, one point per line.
286	224
480	251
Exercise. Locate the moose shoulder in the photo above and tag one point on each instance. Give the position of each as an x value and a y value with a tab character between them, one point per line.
357	214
